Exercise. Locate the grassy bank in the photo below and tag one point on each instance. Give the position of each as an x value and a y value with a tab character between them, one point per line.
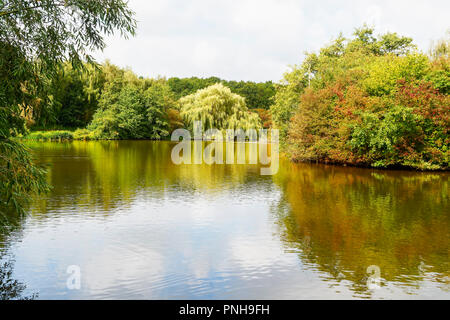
59	135
62	135
56	135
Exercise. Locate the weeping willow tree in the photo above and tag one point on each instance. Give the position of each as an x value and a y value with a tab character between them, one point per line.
218	108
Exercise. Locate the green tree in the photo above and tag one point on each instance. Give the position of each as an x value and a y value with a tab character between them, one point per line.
36	36
132	108
73	96
342	57
120	119
441	48
440	68
371	101
377	138
384	72
287	99
158	99
257	95
218	108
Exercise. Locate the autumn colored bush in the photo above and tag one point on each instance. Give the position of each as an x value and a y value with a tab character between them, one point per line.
370	107
266	118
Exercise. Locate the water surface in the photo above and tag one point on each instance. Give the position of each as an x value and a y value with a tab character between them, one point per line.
140	227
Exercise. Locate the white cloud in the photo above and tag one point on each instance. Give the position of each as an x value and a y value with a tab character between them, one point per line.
257	39
373	15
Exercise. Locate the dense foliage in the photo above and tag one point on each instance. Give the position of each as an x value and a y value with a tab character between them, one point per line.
257	95
218	108
108	102
133	109
368	101
340	217
73	97
36	36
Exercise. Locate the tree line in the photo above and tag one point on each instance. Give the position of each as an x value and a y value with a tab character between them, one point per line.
107	102
368	100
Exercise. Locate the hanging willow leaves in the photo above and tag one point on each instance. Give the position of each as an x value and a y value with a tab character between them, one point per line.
218	108
36	36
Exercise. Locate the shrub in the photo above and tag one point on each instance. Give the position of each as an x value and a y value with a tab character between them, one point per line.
83	134
50	135
371	107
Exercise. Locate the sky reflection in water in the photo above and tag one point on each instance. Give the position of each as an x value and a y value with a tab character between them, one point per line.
141	227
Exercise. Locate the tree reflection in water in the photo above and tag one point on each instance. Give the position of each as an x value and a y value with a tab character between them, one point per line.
343	220
10	288
338	221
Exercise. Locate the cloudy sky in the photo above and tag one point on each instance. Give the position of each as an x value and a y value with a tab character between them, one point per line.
258	39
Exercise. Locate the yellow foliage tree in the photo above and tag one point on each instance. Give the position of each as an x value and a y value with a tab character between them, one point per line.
218	108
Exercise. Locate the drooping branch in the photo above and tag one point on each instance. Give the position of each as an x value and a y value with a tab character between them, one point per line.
39	6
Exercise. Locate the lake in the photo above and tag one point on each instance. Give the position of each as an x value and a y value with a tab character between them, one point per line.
136	226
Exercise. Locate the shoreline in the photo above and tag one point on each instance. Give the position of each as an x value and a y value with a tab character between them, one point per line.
67	136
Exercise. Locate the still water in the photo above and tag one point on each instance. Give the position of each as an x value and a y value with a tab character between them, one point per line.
140	227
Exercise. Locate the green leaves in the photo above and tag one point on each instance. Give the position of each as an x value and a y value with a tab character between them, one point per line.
218	108
257	95
377	138
371	101
19	176
36	37
132	108
384	72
